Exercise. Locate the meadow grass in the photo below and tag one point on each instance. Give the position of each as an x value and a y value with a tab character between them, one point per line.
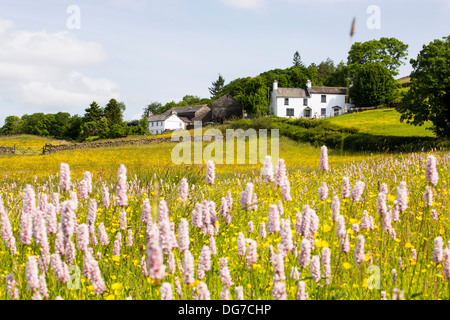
385	122
151	174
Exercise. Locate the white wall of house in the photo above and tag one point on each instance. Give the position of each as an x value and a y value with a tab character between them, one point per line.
314	105
171	123
174	123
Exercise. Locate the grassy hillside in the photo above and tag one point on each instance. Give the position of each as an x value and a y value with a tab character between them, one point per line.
385	122
27	141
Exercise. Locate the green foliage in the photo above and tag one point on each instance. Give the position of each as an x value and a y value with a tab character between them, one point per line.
253	96
429	94
390	52
93	113
297	60
217	87
12	125
114	112
373	85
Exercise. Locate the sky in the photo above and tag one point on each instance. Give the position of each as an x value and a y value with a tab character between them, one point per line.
58	55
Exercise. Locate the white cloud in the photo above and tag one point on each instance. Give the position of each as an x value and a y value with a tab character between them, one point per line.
40	70
245	4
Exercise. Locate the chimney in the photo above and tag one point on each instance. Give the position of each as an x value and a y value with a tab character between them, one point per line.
308	84
275	85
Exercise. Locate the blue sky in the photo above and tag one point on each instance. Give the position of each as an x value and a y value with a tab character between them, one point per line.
139	51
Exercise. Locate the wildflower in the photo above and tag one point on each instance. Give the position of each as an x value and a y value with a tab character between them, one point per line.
279	290
446	256
358	191
281	173
246	196
428	196
183	235
344	244
212	245
286	189
394	276
438	250
203	292
383	188
239	293
10	285
286	243
130	238
346	265
121	190
305	253
184	190
154	254
6	229
359	250
301	294
225	293
103	236
402	196
64	182
250	227
83	237
224	272
345	187
278	268
188	267
413	254
340	228
32	274
166	291
335	208
324	159
434	215
383	295
295	274
323	191
315	268
326	262
273	222
105	197
268	169
241	244
210	172
262	230
431	173
355	228
204	262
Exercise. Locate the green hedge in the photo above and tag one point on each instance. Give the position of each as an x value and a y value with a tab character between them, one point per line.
319	132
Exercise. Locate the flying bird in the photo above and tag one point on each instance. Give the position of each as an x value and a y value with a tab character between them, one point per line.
352	30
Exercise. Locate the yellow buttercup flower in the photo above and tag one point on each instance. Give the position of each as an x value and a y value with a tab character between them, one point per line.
116	286
346	265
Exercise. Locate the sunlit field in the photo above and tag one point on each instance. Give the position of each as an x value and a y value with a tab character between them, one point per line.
227	231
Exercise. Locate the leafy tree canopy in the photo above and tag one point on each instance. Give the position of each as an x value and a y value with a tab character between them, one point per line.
429	95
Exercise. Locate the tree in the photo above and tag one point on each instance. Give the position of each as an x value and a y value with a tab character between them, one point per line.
217	87
388	51
253	96
93	113
153	108
429	95
114	112
297	60
373	85
340	77
12	125
324	70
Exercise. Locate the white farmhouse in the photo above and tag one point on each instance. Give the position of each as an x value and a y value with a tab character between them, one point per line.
308	102
178	118
160	122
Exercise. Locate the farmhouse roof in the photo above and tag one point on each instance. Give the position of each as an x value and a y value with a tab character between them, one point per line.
185	109
328	90
291	93
303	93
159	117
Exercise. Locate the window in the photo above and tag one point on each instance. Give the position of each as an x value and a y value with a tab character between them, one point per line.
307	113
286	101
336	111
305	101
290	112
323	98
323	111
151	124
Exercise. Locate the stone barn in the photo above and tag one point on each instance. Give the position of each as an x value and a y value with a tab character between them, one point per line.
225	107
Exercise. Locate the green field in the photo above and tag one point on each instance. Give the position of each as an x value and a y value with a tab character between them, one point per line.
385	122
